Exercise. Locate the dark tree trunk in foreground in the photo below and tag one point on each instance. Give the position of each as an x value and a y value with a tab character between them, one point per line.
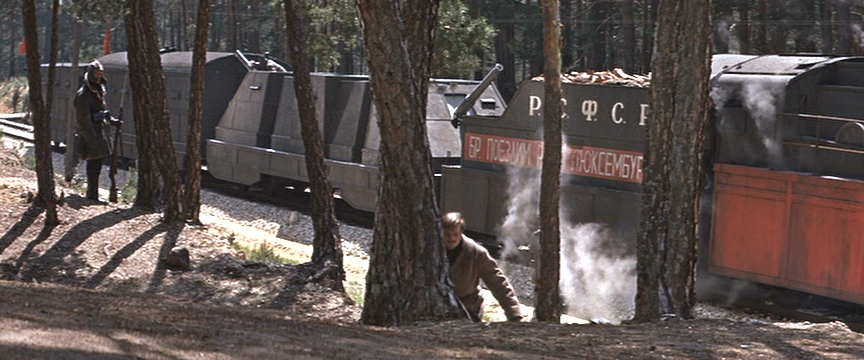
408	278
192	193
151	111
41	121
666	246
549	270
327	246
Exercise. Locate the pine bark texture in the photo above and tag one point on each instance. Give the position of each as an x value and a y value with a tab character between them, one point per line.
326	246
549	270
41	120
151	110
192	193
408	278
666	245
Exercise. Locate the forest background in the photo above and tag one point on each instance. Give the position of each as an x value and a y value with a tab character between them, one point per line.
472	35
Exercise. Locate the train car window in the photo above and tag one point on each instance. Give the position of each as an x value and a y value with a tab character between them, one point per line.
488	104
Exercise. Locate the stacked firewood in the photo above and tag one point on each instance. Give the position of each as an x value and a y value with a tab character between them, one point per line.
613	77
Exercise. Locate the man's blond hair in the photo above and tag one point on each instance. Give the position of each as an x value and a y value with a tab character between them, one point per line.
452	220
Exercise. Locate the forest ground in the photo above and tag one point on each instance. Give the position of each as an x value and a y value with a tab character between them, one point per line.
95	287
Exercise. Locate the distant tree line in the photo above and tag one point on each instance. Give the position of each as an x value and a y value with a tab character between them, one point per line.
472	35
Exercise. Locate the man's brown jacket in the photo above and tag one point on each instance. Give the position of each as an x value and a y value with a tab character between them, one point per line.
473	264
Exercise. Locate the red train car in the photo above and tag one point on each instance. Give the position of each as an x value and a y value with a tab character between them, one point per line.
789	174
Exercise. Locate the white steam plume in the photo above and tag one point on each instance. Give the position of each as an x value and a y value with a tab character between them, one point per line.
760	99
593	283
519	226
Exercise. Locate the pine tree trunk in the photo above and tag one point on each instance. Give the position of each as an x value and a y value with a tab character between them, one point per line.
549	270
723	14
842	10
760	44
826	31
744	29
504	56
183	43
629	34
192	193
13	41
408	278
326	246
648	31
666	245
254	43
41	120
805	26
232	26
148	88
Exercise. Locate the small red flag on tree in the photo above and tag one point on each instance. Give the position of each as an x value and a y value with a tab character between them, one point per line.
108	39
23	46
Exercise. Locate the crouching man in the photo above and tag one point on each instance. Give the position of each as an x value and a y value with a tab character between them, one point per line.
470	263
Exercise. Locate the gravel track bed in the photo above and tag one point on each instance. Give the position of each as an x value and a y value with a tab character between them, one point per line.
283	223
295	226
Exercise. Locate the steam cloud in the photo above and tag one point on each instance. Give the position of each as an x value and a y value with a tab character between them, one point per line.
760	99
593	283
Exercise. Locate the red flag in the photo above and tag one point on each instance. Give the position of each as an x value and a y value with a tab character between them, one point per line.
108	39
24	46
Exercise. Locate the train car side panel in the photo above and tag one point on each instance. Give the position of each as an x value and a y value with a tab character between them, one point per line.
604	134
798	231
749	205
826	237
479	195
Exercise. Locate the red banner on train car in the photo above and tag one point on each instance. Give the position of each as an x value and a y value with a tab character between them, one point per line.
578	160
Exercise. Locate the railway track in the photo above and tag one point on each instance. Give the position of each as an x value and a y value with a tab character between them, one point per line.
828	310
12	126
286	198
815	310
793	305
297	200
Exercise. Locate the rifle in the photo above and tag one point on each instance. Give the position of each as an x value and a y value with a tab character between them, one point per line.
112	192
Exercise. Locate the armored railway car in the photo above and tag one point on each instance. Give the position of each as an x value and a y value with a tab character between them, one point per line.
224	73
251	128
259	138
